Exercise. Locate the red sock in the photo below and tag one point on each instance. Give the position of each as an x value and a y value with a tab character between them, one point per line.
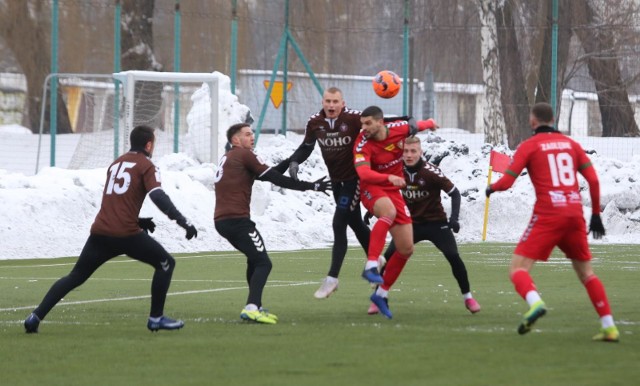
522	282
378	237
598	296
393	269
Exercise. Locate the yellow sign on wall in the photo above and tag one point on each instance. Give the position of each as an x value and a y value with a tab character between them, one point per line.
277	93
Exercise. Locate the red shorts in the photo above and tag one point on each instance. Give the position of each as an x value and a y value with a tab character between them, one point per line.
545	232
371	193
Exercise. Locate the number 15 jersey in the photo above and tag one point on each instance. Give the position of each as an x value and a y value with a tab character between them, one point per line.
129	179
552	160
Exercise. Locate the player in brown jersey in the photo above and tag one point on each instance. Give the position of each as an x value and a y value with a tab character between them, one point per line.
237	170
335	128
422	195
117	230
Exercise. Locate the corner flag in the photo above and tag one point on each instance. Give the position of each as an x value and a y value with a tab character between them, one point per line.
499	163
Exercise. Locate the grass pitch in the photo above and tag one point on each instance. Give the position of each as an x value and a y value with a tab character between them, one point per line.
98	336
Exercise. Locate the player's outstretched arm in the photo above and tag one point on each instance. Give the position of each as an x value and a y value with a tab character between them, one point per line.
299	156
321	185
164	203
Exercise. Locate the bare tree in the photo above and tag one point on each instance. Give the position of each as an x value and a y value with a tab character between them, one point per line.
602	57
494	124
515	104
138	54
24	25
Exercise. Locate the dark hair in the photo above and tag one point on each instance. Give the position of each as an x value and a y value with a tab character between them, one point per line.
140	136
372	111
234	129
543	112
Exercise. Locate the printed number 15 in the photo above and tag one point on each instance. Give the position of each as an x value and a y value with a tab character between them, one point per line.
119	171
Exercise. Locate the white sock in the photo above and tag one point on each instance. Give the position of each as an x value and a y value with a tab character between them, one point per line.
155	320
467	296
381	292
533	297
371	264
607	321
251	307
331	279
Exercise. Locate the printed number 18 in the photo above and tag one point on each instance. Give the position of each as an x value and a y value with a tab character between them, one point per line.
562	170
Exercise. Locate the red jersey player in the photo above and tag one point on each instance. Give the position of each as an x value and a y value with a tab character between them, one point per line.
378	162
552	161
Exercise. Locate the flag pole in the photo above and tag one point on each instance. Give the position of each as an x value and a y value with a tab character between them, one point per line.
486	207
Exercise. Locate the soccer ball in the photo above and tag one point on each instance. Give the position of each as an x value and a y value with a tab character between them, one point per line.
386	84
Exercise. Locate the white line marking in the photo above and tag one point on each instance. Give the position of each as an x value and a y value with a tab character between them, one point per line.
129	260
148	296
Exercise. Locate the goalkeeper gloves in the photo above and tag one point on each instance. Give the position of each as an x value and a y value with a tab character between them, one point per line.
595	226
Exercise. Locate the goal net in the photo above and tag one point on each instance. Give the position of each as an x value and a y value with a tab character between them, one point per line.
181	107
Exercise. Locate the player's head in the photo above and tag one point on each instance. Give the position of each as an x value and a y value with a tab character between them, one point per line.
332	102
372	119
241	135
541	115
412	151
142	139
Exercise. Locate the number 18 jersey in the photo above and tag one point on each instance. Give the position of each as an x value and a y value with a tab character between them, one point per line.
552	160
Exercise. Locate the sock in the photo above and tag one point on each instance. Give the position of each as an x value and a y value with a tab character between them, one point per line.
156	319
532	297
607	321
371	264
598	296
467	296
393	269
522	282
331	279
251	307
378	237
382	292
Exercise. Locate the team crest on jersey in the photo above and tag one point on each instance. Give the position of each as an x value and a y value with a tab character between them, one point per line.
390	147
344	127
421	182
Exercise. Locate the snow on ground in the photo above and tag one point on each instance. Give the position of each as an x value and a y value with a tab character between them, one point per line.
49	214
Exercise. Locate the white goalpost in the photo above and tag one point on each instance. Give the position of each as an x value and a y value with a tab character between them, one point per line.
103	109
164	100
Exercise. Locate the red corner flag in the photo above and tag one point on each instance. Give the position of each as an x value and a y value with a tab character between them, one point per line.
499	162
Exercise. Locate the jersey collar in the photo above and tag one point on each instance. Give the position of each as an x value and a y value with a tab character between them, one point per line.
545	129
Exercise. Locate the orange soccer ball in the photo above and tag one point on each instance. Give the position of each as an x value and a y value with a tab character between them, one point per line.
386	84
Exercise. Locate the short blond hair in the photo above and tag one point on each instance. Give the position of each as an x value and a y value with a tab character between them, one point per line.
413	139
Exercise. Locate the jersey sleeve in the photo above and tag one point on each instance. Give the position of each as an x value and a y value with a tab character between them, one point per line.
585	167
439	179
151	176
520	159
309	133
362	163
253	163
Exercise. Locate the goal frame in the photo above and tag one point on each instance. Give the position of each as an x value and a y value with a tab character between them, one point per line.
128	79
